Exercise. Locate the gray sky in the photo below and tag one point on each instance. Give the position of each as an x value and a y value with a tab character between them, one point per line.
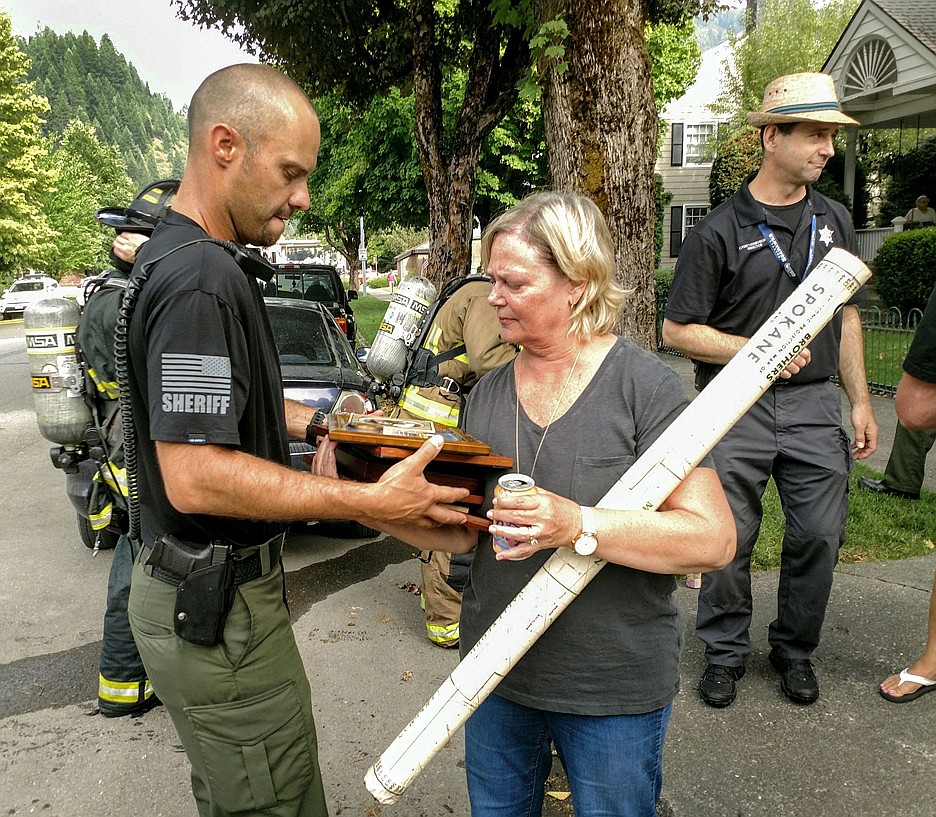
170	55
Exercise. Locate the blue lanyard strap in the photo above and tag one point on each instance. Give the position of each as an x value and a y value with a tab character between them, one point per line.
780	255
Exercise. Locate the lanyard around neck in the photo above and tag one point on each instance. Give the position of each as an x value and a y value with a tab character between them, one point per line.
780	255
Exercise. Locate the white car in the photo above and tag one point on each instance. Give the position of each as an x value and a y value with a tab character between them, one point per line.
25	291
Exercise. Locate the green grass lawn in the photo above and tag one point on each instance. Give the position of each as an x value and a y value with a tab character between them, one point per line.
885	350
878	527
368	312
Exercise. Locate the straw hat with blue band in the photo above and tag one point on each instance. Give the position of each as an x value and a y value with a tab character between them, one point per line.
800	98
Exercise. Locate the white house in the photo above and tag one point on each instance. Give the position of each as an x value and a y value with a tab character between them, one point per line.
682	163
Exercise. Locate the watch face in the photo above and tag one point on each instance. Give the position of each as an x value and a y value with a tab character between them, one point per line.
586	544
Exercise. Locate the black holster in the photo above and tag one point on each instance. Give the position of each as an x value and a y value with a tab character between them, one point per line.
204	575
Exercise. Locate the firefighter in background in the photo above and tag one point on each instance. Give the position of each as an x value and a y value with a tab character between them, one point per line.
123	688
461	345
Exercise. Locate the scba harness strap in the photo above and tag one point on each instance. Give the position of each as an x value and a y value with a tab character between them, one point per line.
424	371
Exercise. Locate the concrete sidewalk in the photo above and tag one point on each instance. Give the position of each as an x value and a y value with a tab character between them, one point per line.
852	754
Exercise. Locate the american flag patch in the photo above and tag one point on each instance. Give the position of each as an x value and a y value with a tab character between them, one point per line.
196	384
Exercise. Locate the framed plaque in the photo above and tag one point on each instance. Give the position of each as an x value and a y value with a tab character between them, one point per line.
368	446
398	432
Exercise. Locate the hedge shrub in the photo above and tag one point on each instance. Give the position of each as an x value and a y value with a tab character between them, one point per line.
736	160
905	269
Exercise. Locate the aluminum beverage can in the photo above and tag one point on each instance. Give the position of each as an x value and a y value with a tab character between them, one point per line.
513	484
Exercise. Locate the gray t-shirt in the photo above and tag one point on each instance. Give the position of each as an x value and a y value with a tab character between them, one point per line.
616	649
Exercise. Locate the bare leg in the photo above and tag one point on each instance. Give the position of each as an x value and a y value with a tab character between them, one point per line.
925	665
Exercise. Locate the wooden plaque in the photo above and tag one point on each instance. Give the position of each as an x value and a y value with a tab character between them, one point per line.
366	429
366	449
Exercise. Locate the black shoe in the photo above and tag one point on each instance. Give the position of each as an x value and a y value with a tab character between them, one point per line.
878	487
717	687
797	679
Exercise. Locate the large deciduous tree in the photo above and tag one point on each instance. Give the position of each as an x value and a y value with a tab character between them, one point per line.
601	116
24	230
601	129
368	166
85	175
364	48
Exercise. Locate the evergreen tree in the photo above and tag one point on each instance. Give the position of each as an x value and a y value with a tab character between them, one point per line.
96	85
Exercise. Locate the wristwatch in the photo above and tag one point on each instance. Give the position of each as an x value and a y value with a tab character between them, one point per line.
587	541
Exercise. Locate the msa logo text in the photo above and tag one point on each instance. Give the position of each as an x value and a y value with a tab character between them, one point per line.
50	340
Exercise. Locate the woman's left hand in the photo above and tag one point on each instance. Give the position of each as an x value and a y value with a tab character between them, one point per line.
324	463
543	520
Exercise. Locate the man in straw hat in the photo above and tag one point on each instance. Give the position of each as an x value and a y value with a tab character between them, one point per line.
735	268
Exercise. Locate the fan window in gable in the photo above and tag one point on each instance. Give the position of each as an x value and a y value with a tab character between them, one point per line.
873	66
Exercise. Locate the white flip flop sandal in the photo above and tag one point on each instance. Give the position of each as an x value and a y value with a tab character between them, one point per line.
926	685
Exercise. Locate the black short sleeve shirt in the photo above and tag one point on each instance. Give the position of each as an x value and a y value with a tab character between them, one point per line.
921	359
203	369
727	276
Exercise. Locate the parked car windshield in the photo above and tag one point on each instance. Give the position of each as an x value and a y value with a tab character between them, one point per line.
309	286
28	286
301	337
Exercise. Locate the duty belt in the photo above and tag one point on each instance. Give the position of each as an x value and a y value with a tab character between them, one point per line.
784	384
249	563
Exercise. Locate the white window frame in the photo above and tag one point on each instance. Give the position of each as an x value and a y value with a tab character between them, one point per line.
693	145
704	206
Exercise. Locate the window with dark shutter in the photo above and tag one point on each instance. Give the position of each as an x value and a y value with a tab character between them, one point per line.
676	151
675	230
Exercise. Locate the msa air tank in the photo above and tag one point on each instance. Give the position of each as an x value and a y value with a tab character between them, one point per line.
400	327
51	326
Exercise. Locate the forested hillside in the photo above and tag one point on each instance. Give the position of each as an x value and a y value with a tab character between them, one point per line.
96	85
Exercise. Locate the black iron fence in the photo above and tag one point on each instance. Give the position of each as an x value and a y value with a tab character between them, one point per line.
887	335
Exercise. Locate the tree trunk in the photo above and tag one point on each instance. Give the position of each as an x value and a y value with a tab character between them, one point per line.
498	58
601	122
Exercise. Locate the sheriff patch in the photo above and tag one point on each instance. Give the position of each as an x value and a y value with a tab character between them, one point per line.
195	384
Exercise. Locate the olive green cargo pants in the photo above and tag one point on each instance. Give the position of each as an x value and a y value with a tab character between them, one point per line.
242	708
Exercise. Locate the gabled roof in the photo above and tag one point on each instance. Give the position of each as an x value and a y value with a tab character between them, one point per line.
884	64
917	16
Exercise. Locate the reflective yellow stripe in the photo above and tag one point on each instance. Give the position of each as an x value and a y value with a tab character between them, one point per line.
432	344
447	634
106	387
123	692
433	338
115	478
102	518
417	405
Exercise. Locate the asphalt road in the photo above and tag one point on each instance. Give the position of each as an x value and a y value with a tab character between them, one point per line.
359	630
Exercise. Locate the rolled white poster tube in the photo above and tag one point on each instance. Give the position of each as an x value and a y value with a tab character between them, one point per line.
646	484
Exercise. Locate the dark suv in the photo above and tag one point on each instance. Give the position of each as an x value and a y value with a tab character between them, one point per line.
316	282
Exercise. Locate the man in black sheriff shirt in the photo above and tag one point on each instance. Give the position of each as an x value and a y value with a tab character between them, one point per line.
734	269
207	601
916	409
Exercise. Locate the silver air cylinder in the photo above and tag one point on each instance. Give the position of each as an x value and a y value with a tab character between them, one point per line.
400	327
51	327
